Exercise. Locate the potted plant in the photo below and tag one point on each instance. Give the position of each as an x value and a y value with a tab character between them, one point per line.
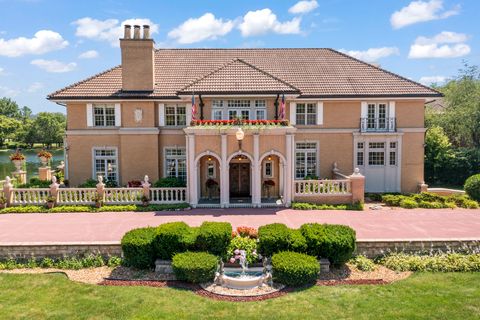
98	201
3	202
18	159
268	185
51	201
44	156
210	184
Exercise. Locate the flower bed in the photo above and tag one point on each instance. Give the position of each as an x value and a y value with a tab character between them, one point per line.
239	122
107	208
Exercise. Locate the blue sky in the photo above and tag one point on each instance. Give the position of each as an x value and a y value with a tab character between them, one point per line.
46	45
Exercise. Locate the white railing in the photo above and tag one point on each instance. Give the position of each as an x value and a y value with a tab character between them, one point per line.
123	195
322	187
377	124
168	195
75	196
29	196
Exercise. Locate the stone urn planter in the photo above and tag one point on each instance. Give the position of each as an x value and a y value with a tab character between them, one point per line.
18	164
44	161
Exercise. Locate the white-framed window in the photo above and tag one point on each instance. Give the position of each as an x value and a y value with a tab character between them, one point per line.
243	103
376	153
211	171
392	157
261	114
239	109
268	169
104	115
260	104
377	116
360	154
239	114
217	114
306	161
105	164
176	163
306	113
175	115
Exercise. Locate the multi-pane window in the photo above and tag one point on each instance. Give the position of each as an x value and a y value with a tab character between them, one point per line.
217	103
175	115
377	116
306	113
104	115
261	114
376	153
176	163
105	161
238	103
239	109
217	114
393	154
305	160
239	114
260	104
360	154
268	169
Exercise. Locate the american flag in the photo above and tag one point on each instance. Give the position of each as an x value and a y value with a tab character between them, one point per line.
282	108
194	108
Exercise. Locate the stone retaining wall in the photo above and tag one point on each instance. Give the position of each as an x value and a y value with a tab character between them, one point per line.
369	248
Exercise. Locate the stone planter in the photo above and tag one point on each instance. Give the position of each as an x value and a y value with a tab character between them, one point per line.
18	164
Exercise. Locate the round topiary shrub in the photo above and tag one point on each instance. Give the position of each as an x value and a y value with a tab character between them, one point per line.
472	187
276	237
172	238
195	267
294	269
138	247
408	204
214	237
331	241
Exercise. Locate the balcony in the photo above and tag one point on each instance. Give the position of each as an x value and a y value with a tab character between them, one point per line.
239	122
378	124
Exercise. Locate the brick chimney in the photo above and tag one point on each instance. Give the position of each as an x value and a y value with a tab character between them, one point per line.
138	59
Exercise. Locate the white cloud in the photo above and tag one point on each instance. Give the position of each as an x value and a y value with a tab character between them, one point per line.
303	7
2	71
428	80
263	21
110	30
90	54
443	45
421	11
372	54
207	27
34	87
54	66
44	41
8	92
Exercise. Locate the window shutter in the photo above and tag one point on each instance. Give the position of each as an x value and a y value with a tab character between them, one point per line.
118	115
89	115
293	113
188	111
391	109
364	112
319	113
161	114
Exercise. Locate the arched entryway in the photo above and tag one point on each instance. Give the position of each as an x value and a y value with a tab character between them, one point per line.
240	179
273	171
208	178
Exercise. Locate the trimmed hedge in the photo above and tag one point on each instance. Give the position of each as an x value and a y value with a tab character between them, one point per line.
312	206
214	237
173	238
85	208
472	187
331	241
294	269
446	262
429	200
278	237
138	247
195	267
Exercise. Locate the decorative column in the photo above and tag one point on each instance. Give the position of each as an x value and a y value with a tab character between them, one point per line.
357	186
224	177
289	149
191	172
45	173
256	177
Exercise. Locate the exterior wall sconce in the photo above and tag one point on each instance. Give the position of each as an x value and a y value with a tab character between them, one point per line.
240	135
269	158
209	158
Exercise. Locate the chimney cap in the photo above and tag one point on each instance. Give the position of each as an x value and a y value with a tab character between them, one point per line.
146	26
136	26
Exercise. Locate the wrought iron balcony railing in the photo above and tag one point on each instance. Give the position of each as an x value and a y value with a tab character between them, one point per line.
378	124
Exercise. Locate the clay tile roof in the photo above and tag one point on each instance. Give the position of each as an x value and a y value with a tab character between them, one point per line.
316	73
238	76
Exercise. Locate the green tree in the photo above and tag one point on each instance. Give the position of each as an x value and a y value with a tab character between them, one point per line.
9	108
27	133
25	113
7	128
438	153
49	128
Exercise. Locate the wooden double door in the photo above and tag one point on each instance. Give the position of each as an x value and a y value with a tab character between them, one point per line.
239	180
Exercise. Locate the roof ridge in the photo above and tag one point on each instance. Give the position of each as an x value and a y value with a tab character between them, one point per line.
196	81
384	70
83	81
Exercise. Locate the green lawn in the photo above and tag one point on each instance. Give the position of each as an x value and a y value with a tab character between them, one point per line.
423	296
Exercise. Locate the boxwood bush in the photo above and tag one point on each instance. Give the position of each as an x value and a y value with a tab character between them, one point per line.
294	269
195	267
445	262
472	187
138	247
278	237
172	238
331	241
214	237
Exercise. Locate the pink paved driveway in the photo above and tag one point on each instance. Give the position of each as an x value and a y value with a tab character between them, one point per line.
108	227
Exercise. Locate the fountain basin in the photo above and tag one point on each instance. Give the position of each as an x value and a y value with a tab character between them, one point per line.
234	278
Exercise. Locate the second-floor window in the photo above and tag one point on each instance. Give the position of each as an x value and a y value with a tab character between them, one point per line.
239	109
306	114
103	115
175	115
377	116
